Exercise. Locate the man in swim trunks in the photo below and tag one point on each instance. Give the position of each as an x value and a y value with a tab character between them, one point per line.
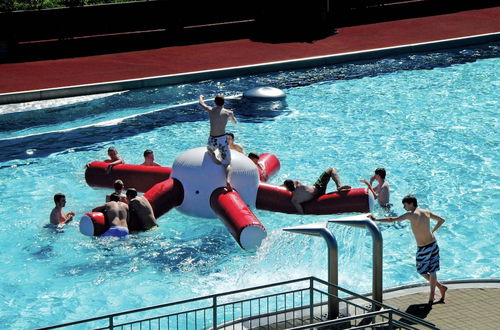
116	215
58	217
302	193
141	215
218	139
381	191
427	256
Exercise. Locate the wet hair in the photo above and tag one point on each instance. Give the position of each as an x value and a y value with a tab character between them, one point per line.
380	171
111	149
230	134
148	152
118	185
253	155
219	100
58	197
114	197
410	199
131	192
289	185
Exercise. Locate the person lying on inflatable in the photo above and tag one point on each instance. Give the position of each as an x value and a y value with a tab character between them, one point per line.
302	193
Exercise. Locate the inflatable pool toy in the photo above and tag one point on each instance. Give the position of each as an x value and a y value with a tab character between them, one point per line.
195	185
264	94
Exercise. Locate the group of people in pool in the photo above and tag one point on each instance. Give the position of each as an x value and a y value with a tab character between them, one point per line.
123	212
132	212
427	256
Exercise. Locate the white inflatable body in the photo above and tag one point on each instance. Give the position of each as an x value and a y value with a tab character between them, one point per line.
200	176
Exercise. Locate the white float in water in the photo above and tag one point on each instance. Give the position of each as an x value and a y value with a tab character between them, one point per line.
200	176
264	94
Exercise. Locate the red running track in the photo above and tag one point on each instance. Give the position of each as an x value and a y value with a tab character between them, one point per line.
15	77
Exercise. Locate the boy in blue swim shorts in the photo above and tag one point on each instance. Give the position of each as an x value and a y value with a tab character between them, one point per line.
116	215
427	257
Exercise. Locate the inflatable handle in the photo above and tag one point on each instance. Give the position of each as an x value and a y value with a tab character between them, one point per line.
238	218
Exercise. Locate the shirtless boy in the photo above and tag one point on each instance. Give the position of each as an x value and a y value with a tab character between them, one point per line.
427	257
232	145
302	193
58	217
116	215
218	139
113	160
381	191
118	185
141	216
149	158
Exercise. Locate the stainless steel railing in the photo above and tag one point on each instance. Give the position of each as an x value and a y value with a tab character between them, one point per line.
301	303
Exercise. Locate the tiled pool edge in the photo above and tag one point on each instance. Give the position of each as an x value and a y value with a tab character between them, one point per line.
188	77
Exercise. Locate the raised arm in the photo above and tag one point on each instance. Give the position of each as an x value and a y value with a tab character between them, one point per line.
369	185
101	208
232	117
439	220
203	104
405	216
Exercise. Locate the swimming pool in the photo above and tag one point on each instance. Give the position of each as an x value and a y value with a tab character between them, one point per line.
430	119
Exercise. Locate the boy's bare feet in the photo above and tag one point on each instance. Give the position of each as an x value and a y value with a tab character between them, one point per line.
443	290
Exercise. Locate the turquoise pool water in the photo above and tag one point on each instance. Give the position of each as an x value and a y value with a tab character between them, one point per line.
432	120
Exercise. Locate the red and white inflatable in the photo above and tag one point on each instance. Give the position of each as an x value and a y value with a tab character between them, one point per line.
195	186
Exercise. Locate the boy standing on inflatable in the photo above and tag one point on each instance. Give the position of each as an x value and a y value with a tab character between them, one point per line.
218	139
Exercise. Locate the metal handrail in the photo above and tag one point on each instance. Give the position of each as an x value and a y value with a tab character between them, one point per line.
211	313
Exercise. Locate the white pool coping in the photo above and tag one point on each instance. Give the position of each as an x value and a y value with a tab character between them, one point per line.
189	77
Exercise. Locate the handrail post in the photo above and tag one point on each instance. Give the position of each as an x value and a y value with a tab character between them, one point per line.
319	229
311	301
111	324
214	312
363	221
377	280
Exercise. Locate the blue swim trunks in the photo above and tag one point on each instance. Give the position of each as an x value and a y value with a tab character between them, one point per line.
116	231
428	259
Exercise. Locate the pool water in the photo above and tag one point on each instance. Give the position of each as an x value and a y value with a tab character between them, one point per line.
431	119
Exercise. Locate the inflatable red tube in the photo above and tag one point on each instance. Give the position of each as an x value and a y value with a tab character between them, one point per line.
278	199
269	165
140	177
93	224
164	196
238	218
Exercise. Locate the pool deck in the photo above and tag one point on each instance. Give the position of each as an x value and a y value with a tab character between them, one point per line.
19	78
468	305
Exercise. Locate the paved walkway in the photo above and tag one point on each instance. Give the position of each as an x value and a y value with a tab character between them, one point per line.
16	77
467	306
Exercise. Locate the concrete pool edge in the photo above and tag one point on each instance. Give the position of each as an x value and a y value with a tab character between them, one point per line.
188	77
403	290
